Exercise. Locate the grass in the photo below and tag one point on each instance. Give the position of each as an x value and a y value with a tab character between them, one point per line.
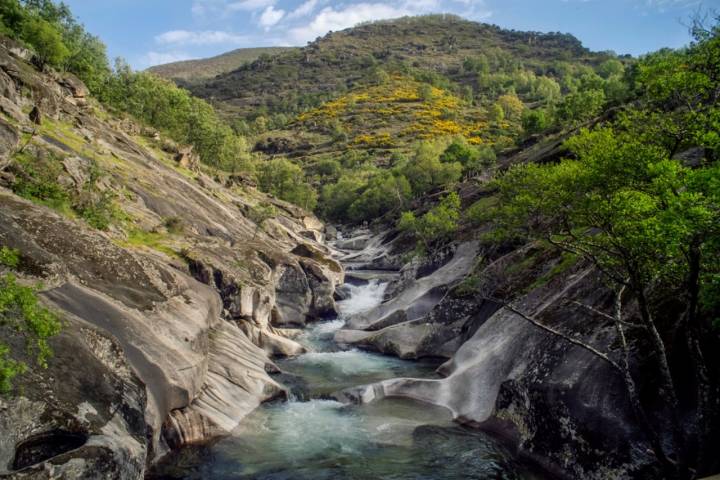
154	240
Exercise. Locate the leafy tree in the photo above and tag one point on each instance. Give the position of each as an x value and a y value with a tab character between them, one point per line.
46	40
548	90
437	224
535	121
284	179
473	159
427	172
581	106
511	105
634	213
336	198
611	68
385	193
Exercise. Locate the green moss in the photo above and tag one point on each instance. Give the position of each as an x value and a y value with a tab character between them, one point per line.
64	133
567	261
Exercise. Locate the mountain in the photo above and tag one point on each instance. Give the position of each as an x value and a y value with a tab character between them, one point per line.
433	44
190	72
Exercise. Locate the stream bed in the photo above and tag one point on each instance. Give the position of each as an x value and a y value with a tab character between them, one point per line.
314	437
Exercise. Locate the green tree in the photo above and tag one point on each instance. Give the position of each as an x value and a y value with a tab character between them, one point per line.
284	179
426	171
511	105
581	106
438	224
46	41
644	220
535	121
385	193
473	159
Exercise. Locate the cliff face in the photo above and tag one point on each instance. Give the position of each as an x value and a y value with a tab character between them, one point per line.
170	313
554	402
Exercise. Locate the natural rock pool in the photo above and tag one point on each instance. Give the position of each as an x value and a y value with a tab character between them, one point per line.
312	436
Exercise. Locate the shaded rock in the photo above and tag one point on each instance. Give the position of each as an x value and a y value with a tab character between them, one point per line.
9	139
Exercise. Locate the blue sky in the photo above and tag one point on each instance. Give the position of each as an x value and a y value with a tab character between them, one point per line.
149	32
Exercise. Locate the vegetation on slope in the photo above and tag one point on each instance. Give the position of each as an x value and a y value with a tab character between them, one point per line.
640	200
190	72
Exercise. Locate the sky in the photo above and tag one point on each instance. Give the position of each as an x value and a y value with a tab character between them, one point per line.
152	32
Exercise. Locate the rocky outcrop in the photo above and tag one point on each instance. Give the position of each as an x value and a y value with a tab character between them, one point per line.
171	314
556	403
400	326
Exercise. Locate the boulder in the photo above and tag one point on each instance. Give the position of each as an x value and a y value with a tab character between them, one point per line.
187	158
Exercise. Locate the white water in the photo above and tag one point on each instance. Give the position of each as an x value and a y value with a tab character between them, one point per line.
324	439
362	298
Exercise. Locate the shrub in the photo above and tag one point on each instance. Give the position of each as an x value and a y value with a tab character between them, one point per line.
21	314
9	257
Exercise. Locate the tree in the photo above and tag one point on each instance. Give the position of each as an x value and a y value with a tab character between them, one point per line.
385	193
435	225
511	105
46	40
473	159
581	106
284	179
535	121
642	219
427	172
611	68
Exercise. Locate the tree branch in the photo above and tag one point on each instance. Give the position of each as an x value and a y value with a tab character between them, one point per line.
560	334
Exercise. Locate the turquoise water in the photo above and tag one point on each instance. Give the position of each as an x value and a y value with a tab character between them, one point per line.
314	437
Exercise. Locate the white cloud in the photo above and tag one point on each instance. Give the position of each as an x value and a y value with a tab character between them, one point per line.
348	15
331	19
202	37
159	58
303	10
270	17
250	5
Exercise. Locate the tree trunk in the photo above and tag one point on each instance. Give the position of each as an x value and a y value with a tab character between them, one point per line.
706	408
667	385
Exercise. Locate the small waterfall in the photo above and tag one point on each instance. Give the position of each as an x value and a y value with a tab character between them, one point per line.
362	298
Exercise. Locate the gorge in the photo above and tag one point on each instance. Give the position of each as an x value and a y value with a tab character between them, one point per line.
418	248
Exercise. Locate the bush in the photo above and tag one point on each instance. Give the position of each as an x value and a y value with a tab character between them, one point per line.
9	257
21	314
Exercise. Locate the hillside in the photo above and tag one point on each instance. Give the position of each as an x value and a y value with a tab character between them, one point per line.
436	44
364	98
189	72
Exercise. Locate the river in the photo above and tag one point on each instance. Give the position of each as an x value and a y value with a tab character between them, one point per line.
314	437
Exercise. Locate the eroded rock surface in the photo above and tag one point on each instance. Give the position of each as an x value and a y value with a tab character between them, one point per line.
172	314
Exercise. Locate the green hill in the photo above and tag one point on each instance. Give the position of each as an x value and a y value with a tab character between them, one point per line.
193	71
